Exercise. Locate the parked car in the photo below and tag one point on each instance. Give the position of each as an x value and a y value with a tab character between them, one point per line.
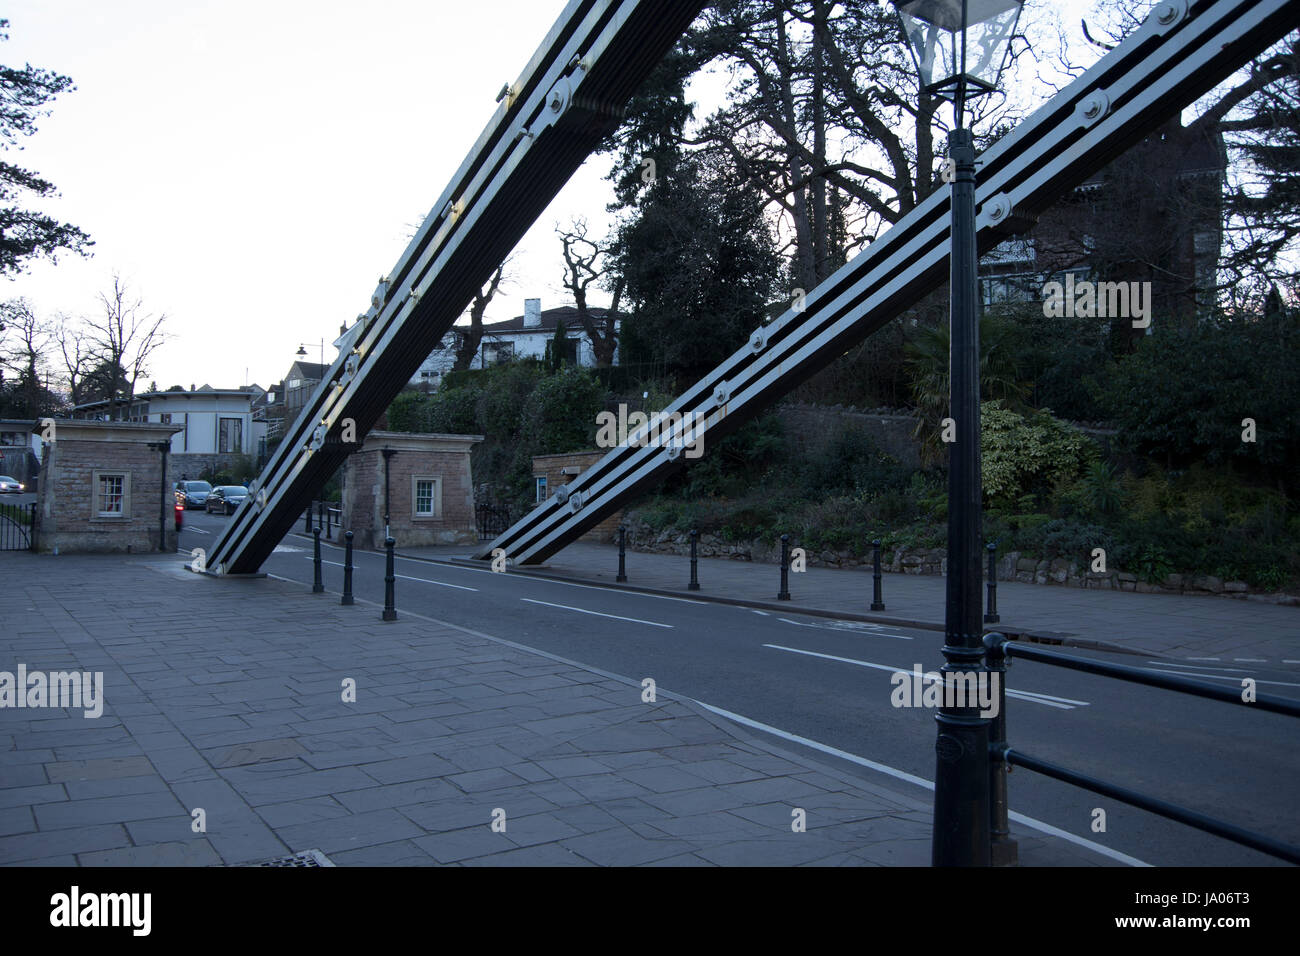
10	486
226	498
193	494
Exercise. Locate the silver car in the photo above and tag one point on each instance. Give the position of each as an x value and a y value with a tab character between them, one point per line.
10	486
193	494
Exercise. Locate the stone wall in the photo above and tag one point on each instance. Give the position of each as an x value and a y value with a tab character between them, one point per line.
552	467
442	457
810	427
194	464
934	561
68	518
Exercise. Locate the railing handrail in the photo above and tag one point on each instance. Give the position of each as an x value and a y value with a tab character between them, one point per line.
1150	677
1171	811
999	648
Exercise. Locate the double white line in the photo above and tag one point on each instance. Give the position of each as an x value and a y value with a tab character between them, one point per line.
1047	700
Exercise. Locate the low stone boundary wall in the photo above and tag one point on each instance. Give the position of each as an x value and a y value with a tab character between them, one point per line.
1012	566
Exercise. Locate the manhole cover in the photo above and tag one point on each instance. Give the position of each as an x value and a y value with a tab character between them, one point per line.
305	858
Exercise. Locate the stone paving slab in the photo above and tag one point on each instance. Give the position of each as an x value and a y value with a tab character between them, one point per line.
1160	624
459	749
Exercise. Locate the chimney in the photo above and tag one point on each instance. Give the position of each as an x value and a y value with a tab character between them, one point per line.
532	313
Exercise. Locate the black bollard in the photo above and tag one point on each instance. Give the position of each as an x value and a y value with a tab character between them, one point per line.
991	616
329	521
308	527
347	569
877	602
622	554
317	585
320	514
784	593
1004	848
695	577
390	578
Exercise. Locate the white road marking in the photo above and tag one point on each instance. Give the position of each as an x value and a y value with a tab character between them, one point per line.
567	584
582	610
441	584
1044	698
1285	661
794	738
194	530
921	782
1047	700
1251	660
1194	667
843	630
1204	658
404	577
757	611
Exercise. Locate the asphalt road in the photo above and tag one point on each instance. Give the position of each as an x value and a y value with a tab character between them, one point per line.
831	682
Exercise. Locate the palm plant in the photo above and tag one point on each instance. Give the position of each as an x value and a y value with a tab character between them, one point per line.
927	363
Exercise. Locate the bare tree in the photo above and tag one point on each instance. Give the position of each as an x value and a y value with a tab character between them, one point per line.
77	358
468	339
585	262
24	356
123	341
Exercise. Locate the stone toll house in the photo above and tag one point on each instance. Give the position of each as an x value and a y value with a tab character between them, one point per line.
551	471
425	481
105	488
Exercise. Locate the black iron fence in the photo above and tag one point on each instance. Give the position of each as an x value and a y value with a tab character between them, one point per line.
327	517
17	526
491	520
1003	757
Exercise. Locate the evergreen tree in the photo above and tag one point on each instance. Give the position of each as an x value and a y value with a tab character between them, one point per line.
24	233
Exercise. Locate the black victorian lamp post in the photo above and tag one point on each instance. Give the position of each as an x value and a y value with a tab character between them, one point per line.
960	48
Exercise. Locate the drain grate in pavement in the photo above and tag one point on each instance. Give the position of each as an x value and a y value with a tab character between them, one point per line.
305	858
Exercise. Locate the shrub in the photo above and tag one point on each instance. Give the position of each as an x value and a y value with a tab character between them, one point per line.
851	462
1023	452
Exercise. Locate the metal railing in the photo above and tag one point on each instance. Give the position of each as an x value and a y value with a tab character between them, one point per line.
17	526
328	518
1001	756
491	520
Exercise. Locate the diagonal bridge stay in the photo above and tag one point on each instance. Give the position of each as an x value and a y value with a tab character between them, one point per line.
569	97
1181	51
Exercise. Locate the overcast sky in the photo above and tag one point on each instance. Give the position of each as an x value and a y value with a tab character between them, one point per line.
252	168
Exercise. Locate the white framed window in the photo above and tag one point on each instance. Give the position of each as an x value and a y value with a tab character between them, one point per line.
426	496
230	435
540	481
112	494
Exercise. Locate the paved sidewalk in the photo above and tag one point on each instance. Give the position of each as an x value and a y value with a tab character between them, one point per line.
1178	626
226	696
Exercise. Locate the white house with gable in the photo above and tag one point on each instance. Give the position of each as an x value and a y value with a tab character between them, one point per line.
525	336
